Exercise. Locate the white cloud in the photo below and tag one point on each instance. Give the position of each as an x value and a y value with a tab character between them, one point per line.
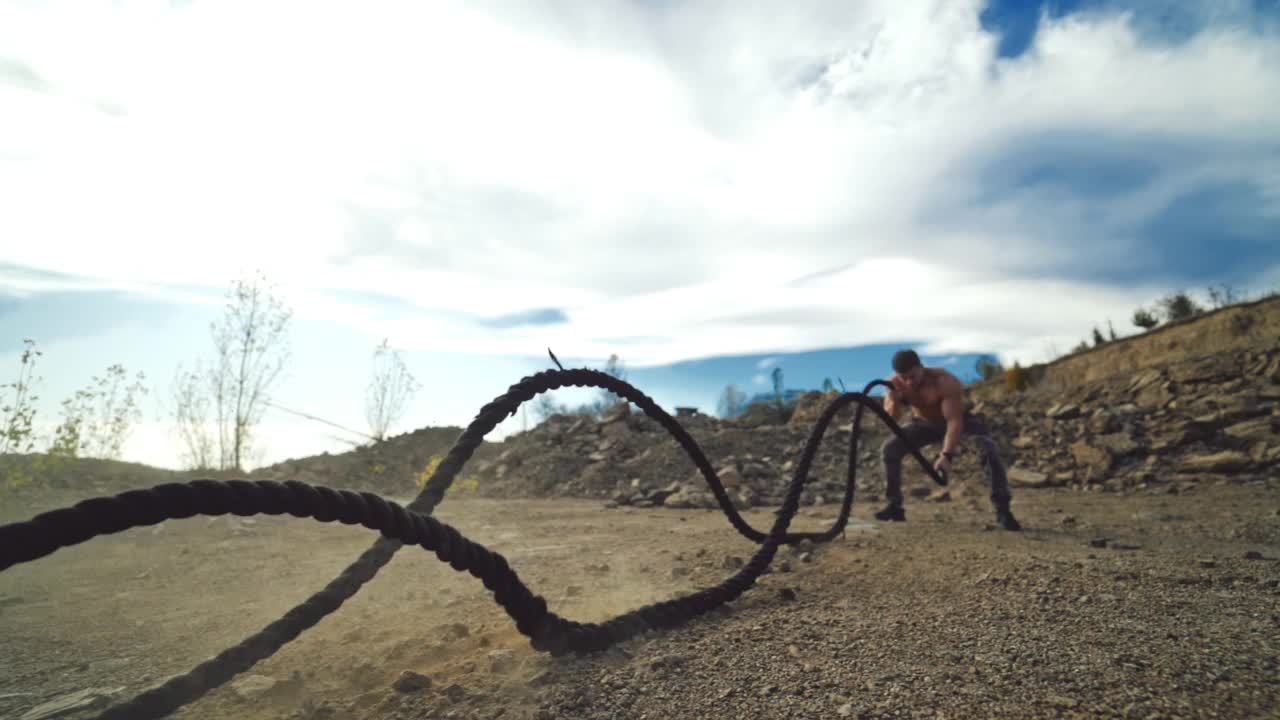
476	160
153	443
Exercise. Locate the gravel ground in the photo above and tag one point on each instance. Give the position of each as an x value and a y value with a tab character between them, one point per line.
1132	607
1147	605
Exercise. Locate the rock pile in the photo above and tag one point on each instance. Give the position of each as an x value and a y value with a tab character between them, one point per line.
627	458
1214	418
389	467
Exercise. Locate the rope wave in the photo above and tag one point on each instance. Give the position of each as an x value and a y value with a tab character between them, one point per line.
413	525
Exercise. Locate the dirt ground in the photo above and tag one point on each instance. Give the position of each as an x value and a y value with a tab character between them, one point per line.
1146	605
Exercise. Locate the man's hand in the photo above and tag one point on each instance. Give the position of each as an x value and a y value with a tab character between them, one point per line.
942	465
899	387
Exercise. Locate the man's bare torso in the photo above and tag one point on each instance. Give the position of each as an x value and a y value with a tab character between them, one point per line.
926	399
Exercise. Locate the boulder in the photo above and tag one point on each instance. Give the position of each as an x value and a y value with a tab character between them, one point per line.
1155	396
690	498
1183	433
1256	429
1021	477
615	429
411	682
252	687
1119	444
1102	422
86	699
1144	379
1063	411
729	477
1272	373
1091	457
1226	461
616	413
1202	369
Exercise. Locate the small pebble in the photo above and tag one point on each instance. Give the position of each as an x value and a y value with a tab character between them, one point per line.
411	682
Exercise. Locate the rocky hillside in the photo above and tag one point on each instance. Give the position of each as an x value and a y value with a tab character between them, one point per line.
391	466
1243	327
1213	418
628	458
1137	413
35	483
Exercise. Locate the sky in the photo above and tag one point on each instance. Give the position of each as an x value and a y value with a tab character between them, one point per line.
709	190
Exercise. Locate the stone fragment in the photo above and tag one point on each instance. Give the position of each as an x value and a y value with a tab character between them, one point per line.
1255	429
252	687
1063	411
729	477
1119	444
616	413
1220	462
1155	396
502	661
85	699
1021	477
1201	369
1102	422
1144	379
1090	457
411	682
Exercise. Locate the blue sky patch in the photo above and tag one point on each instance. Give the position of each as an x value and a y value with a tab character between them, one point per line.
1016	22
1081	163
1173	209
54	316
702	381
1216	233
1172	22
541	316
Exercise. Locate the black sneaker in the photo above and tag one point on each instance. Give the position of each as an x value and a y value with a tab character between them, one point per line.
1006	520
892	512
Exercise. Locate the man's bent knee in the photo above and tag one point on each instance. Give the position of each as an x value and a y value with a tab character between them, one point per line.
987	446
893	450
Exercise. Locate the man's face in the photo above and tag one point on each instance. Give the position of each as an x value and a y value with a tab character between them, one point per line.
911	379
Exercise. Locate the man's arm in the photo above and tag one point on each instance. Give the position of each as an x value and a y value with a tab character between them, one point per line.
953	412
891	405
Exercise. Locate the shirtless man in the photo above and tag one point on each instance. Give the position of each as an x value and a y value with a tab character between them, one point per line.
936	398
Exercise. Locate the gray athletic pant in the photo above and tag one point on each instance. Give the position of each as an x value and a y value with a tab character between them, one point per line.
923	432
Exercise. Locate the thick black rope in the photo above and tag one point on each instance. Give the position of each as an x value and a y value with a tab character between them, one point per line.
25	541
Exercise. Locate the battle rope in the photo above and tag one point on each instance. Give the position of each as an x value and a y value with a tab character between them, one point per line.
25	541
